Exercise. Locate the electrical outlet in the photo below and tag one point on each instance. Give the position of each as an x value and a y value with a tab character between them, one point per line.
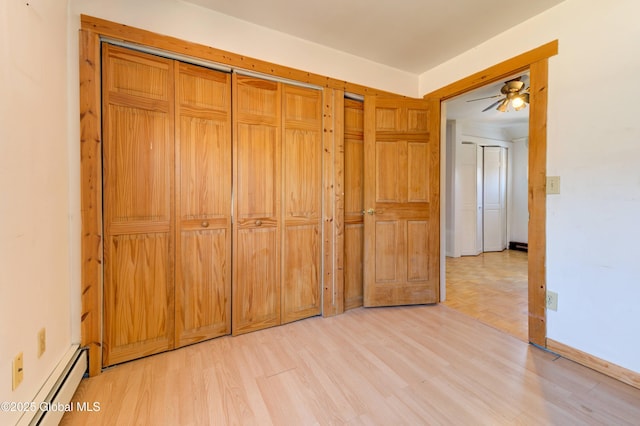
42	341
18	371
552	300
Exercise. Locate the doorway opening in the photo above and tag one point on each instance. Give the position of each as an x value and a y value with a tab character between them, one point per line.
536	61
486	263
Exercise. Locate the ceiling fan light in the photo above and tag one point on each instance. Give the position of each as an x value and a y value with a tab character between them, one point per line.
503	106
518	103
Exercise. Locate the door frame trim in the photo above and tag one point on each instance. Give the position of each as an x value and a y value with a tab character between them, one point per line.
536	61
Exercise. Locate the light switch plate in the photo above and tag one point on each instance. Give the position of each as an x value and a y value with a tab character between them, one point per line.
553	184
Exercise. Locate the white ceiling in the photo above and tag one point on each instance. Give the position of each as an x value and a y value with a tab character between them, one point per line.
410	35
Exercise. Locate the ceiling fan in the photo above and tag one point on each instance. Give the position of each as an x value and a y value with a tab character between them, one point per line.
513	92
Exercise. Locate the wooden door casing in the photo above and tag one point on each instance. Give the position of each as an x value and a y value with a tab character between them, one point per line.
203	204
401	202
257	204
138	163
353	203
302	202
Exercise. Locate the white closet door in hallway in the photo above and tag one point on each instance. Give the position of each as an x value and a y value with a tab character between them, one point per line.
483	198
494	198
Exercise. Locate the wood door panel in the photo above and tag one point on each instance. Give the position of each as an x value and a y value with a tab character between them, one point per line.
256	302
302	174
302	107
388	166
257	101
353	203
353	178
257	198
418	172
257	181
402	230
205	167
138	180
204	89
203	250
417	250
301	273
353	261
302	202
137	74
388	251
388	119
203	293
138	151
138	293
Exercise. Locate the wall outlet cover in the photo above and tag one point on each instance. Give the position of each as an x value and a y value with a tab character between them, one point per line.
18	371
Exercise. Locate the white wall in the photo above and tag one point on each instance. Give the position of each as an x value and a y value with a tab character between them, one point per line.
519	217
194	23
593	145
34	193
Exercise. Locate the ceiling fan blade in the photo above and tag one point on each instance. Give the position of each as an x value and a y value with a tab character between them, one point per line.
480	99
494	104
504	105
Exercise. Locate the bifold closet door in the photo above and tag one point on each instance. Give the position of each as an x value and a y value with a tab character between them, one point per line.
353	202
167	204
257	184
203	204
278	199
138	170
302	202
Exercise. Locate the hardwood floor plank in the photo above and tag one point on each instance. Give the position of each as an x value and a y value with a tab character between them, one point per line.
403	365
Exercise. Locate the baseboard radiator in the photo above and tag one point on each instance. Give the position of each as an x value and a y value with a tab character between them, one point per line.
58	389
514	245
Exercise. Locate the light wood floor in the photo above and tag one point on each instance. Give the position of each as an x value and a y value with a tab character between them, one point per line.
384	366
491	287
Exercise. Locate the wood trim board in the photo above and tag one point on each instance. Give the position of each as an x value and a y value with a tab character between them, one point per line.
171	44
605	367
536	61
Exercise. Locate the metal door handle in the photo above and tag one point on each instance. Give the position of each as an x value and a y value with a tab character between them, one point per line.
371	211
205	224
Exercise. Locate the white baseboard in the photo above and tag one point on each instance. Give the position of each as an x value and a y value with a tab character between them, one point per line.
58	389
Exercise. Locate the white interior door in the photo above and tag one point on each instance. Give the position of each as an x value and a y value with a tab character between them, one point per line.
494	199
469	200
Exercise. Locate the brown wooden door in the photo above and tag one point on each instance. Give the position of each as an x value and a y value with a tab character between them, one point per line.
353	202
203	204
401	203
138	164
302	202
257	204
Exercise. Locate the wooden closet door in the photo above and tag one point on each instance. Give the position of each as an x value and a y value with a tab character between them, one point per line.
302	202
353	202
257	186
138	164
203	204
